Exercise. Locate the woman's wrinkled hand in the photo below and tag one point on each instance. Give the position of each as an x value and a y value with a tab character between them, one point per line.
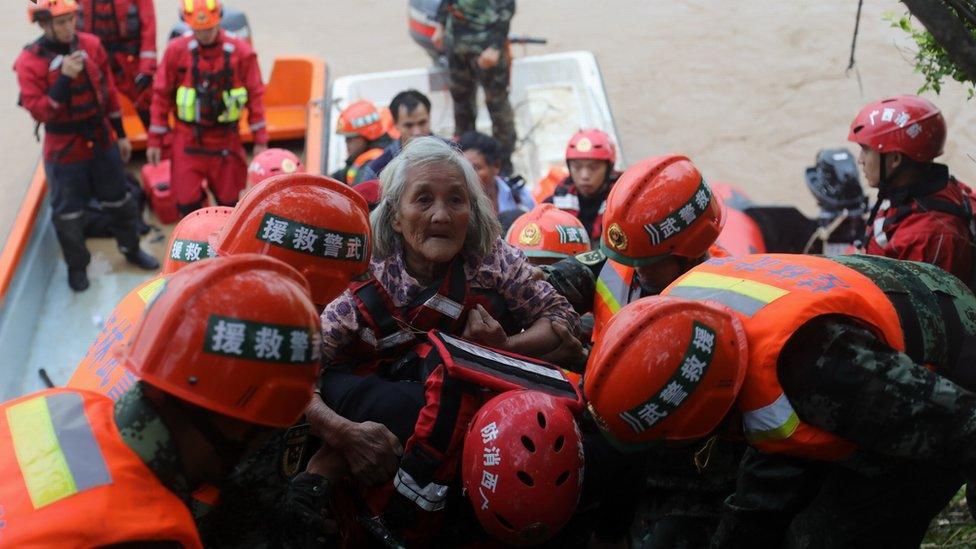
569	353
483	328
372	451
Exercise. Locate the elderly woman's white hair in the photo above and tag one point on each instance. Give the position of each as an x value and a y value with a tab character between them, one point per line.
431	153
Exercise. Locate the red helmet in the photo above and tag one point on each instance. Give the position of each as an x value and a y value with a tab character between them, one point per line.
371	190
238	336
522	466
39	10
591	144
907	124
548	232
665	369
190	239
201	14
272	162
361	118
660	206
313	223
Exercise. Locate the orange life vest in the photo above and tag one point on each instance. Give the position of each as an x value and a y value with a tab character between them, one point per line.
360	161
100	370
68	479
615	288
774	295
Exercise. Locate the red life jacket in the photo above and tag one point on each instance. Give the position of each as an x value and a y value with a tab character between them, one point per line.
389	333
948	198
87	102
115	22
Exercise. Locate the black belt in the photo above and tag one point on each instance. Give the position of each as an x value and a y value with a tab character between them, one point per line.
208	152
77	127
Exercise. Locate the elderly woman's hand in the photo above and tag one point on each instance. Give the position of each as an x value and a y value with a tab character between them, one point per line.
484	329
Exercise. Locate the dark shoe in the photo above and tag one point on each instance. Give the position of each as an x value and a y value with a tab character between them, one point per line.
142	260
78	279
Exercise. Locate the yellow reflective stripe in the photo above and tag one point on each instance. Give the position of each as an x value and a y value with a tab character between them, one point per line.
186	103
234	100
211	5
188	6
776	421
42	463
151	290
607	296
750	288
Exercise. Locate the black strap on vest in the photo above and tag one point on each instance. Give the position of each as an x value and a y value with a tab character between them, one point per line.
453	286
910	327
384	319
210	89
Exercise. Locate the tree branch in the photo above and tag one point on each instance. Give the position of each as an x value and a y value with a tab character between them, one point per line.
949	31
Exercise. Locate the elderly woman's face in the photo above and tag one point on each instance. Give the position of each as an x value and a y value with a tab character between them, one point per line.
433	213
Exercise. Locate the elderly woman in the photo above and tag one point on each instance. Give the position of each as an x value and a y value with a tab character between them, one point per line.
438	262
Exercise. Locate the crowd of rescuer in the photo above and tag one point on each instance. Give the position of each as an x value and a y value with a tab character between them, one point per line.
411	117
205	80
67	85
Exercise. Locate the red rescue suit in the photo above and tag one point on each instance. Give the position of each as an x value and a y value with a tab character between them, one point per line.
206	88
79	121
931	222
127	29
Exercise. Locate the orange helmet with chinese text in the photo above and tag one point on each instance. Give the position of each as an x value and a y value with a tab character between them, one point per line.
665	370
660	206
236	335
190	240
522	466
548	232
201	14
272	162
314	223
591	144
361	118
41	10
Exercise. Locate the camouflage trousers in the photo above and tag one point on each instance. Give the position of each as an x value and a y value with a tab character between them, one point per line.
466	75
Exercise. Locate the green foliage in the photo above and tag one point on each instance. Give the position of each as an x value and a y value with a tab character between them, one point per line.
931	59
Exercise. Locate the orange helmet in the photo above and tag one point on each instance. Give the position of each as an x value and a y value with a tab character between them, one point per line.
522	466
272	162
201	14
40	10
547	231
660	206
591	144
190	239
313	223
666	369
238	336
361	118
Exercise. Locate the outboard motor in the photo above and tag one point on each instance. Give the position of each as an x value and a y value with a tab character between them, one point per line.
835	182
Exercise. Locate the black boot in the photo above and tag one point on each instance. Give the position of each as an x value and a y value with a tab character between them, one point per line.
78	279
71	235
126	216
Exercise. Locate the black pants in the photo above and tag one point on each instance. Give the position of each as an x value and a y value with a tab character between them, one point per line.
73	185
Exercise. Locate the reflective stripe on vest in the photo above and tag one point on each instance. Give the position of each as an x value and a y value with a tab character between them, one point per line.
612	288
56	448
776	421
188	106
746	297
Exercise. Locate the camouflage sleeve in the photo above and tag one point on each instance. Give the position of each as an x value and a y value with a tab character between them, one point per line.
841	378
575	279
